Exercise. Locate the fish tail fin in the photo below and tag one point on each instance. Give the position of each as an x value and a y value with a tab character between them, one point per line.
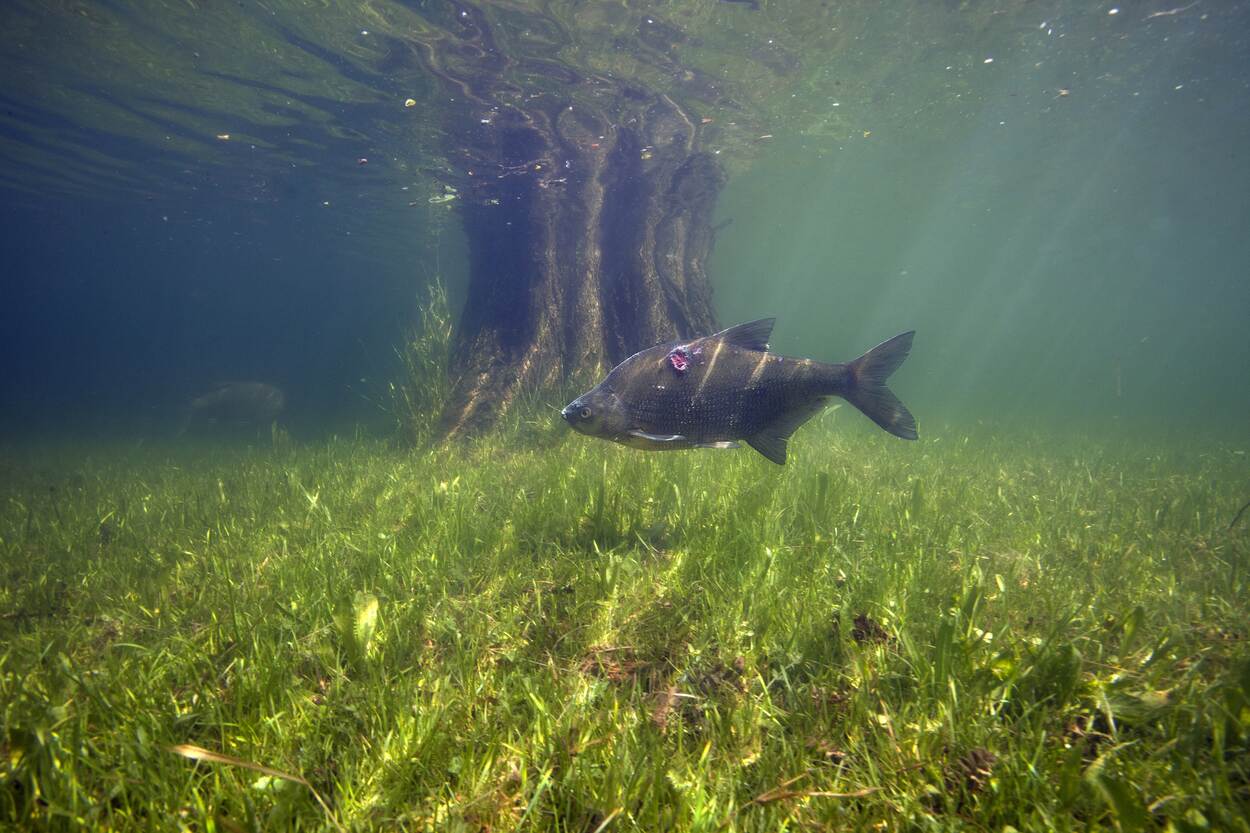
864	386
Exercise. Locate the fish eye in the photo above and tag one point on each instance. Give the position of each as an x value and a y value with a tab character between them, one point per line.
584	413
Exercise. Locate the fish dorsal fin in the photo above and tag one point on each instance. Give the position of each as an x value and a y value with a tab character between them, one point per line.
771	441
753	335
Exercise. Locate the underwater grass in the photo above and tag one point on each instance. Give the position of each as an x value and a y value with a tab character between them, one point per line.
415	399
542	632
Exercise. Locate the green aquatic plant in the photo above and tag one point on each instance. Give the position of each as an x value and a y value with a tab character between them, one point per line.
357	625
570	635
417	397
270	780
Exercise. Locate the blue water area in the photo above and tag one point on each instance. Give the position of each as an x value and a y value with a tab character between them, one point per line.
1054	198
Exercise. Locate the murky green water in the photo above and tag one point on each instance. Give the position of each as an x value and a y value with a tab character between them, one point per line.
1052	195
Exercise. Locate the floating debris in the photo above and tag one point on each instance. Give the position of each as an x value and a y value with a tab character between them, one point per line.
1170	12
449	194
410	102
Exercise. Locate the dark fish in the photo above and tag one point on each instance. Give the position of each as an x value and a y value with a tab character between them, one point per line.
248	403
712	391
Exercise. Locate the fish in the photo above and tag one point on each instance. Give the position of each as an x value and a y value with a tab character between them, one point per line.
245	403
715	391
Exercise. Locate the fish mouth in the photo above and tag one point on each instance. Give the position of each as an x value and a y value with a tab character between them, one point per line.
569	413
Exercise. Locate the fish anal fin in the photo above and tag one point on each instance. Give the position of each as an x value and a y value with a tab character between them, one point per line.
771	441
753	335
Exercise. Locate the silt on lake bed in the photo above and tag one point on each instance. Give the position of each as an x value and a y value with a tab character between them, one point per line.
713	391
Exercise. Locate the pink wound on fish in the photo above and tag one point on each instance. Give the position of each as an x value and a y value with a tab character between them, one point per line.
679	359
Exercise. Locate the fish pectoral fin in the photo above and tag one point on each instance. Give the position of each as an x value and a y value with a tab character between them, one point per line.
656	438
774	448
641	439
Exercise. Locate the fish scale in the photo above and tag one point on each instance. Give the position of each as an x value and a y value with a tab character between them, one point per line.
711	410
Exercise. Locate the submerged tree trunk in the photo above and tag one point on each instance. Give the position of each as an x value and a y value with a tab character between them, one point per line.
588	220
594	246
